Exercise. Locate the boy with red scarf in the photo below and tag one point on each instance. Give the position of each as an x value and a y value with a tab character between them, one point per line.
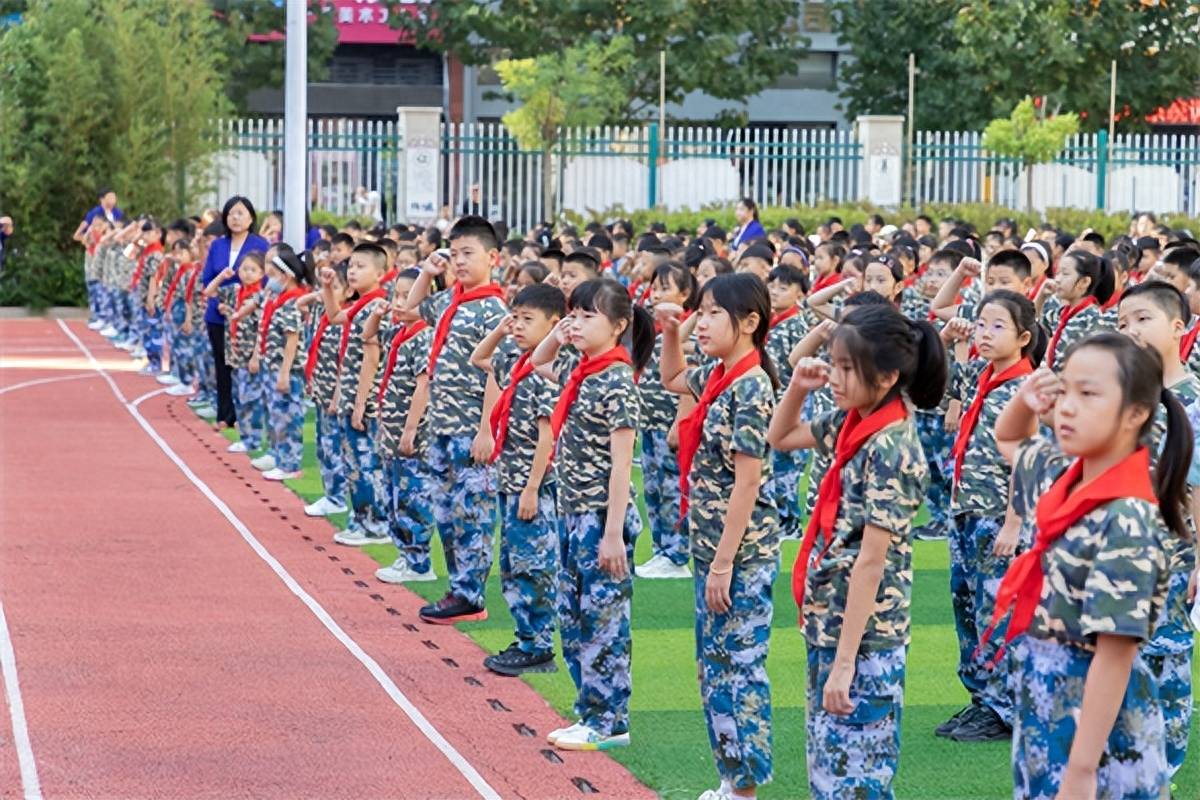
520	426
459	409
787	327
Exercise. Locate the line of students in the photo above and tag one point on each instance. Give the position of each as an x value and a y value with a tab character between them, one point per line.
452	407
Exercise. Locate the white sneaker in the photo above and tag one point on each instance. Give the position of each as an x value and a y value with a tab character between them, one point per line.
181	390
584	738
358	538
237	447
278	474
108	331
377	528
138	352
126	346
263	463
552	736
716	794
206	412
167	379
660	567
324	507
401	572
95	325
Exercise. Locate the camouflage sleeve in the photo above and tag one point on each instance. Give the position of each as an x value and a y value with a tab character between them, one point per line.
1038	462
894	483
545	396
1193	415
431	307
698	377
565	362
825	430
753	402
289	318
1118	594
621	404
414	354
502	365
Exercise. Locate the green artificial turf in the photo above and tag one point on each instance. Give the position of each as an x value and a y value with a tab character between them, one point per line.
670	750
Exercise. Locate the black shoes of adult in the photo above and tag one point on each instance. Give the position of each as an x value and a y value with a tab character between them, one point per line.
985	726
514	661
452	609
949	726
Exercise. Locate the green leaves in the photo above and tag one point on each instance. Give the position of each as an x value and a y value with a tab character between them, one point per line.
1024	136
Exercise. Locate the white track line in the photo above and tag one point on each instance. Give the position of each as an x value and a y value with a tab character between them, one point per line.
26	384
16	710
389	686
147	396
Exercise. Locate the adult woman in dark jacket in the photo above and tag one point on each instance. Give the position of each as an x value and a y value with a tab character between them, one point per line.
239	219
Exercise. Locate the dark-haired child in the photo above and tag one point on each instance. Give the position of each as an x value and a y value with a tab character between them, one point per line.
320	381
1083	283
278	347
184	356
1086	595
672	284
595	424
577	268
786	286
853	575
520	425
241	306
461	445
732	519
143	289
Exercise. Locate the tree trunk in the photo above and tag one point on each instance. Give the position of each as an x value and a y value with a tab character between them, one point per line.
548	182
1029	188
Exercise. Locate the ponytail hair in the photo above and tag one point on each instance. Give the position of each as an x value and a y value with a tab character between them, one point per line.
879	339
1103	280
741	294
606	296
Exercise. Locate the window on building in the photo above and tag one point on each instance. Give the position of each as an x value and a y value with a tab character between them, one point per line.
814	71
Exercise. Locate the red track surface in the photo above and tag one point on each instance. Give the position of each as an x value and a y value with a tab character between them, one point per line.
160	656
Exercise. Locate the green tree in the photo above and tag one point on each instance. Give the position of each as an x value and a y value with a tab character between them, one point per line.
578	87
731	50
1033	140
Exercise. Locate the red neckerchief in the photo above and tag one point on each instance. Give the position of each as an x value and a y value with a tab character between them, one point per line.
986	384
1057	510
633	289
141	264
273	306
389	276
855	432
1188	342
189	293
1112	301
587	367
359	304
1063	319
184	269
783	316
503	408
458	297
403	335
310	363
825	281
243	293
691	427
1037	287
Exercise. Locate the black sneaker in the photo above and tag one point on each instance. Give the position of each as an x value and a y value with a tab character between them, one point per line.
452	609
928	533
986	726
515	661
949	726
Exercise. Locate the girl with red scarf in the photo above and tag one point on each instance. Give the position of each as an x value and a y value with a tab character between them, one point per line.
241	306
1083	284
1088	722
853	576
289	276
732	518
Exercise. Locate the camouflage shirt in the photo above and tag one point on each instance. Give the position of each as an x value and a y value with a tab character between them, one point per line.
160	299
882	485
533	400
412	359
736	422
913	304
1078	328
353	361
324	377
240	344
1107	573
608	401
983	488
456	388
781	340
199	301
284	321
658	404
149	267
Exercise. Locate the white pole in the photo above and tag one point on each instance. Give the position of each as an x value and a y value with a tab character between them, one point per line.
295	116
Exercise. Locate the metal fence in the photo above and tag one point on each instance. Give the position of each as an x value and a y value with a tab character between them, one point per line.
353	169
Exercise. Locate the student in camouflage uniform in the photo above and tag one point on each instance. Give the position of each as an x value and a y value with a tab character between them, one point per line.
174	306
320	372
194	328
147	322
356	395
853	575
1097	571
522	441
672	283
787	286
1154	314
984	536
595	424
279	347
459	449
732	518
241	305
1083	284
403	441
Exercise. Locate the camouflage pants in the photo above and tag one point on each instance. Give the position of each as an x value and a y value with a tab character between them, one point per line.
152	336
206	366
1048	679
856	755
464	505
106	305
962	538
987	574
93	293
593	617
331	454
529	569
731	653
410	509
286	420
183	355
125	315
364	474
250	402
660	477
1173	673
784	486
937	442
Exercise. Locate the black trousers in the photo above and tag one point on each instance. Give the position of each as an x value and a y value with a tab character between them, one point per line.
225	412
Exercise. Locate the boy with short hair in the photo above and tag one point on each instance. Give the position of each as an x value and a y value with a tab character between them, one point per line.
358	368
577	268
520	426
461	444
340	248
787	327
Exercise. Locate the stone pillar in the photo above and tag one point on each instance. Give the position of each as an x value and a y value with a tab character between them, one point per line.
881	174
419	178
